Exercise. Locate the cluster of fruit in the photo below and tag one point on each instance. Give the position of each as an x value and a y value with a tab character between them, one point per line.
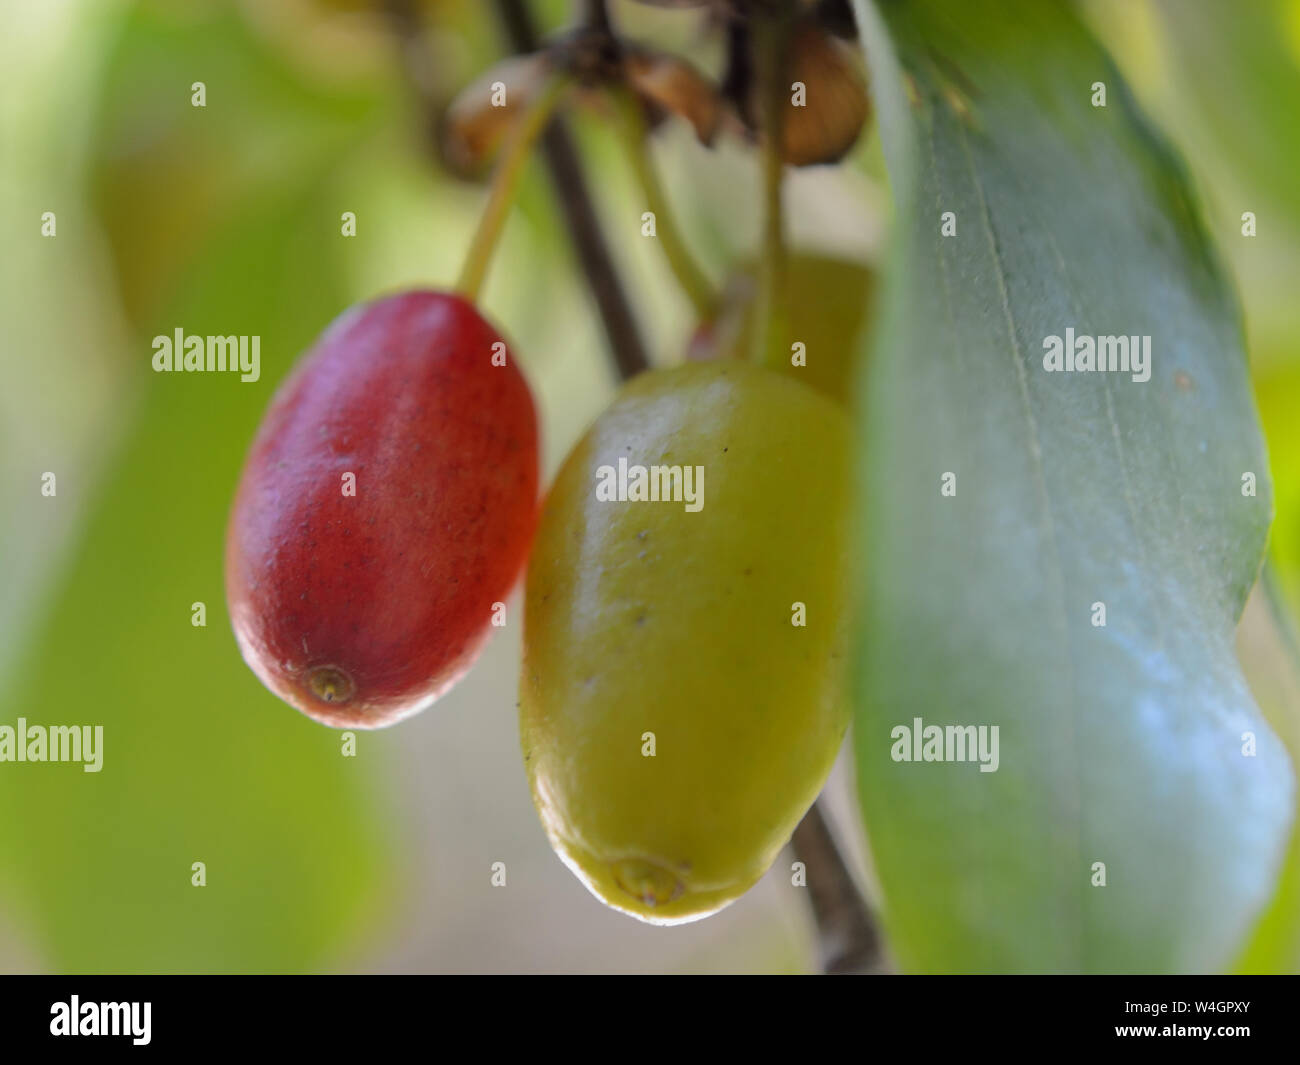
682	695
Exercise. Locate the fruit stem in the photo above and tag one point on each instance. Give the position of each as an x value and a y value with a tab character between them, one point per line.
770	34
505	183
636	139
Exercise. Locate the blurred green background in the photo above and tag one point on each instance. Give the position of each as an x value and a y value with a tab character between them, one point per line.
226	220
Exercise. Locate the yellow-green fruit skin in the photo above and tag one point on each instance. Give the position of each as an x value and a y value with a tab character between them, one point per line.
643	618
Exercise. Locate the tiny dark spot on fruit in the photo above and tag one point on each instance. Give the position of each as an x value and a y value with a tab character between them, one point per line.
643	534
640	619
724	450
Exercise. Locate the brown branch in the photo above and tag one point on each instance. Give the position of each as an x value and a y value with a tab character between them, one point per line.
597	15
570	183
847	937
417	66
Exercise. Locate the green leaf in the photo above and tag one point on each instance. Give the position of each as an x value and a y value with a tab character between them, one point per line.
1120	744
1226	81
200	763
1238	67
1270	653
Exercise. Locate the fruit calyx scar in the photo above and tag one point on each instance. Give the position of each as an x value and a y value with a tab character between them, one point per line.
330	684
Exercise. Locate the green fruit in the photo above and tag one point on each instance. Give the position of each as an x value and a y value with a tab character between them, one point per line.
644	617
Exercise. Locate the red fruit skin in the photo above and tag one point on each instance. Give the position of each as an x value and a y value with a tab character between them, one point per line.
383	599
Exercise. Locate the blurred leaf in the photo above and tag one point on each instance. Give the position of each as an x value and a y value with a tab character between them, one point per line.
166	172
200	762
1231	89
1238	69
1271	648
1278	388
1270	654
1119	744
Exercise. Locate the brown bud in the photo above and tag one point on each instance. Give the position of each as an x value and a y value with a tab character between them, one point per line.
836	101
478	119
834	105
675	86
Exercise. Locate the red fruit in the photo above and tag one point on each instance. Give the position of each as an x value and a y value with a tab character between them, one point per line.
362	609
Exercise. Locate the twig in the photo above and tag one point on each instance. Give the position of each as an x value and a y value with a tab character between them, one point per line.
417	66
621	327
847	937
597	15
770	37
